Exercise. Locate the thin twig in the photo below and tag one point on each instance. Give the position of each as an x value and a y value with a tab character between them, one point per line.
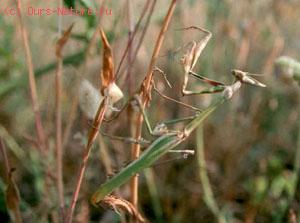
145	91
58	135
140	40
130	81
130	40
92	136
41	137
58	120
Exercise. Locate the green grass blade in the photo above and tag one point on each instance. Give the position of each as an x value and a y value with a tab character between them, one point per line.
152	187
208	195
157	149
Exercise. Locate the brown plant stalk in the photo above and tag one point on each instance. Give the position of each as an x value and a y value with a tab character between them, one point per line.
91	138
145	96
132	36
119	73
41	137
130	80
58	120
32	82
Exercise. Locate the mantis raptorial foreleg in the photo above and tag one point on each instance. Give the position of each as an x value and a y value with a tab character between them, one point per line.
210	90
190	59
206	80
158	70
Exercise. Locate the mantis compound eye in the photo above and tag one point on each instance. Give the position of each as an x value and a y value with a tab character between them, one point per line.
238	73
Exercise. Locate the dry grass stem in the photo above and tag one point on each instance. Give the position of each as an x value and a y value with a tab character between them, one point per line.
32	82
58	120
133	32
145	96
91	138
139	44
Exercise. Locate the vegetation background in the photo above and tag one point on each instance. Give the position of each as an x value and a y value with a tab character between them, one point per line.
250	143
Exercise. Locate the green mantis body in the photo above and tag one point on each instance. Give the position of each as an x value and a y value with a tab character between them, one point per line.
168	140
156	150
165	143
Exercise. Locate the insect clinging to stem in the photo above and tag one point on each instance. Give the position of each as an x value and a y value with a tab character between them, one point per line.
167	139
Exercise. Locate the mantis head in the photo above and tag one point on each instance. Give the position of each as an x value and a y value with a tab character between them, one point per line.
246	78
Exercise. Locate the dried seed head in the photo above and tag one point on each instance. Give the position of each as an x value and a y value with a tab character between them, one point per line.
89	99
107	73
62	41
109	88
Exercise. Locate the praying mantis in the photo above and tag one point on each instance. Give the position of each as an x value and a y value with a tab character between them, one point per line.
167	139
